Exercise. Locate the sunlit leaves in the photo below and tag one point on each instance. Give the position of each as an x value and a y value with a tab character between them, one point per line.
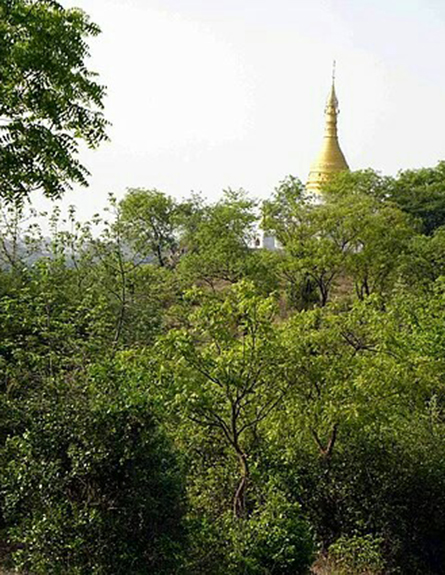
49	100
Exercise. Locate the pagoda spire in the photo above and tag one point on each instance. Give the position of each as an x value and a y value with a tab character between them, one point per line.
330	160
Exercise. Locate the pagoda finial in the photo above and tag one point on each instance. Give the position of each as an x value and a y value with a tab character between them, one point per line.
332	102
330	159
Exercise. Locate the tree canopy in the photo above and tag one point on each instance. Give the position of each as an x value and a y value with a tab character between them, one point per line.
49	99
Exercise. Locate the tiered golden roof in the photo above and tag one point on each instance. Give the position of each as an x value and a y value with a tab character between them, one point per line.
330	160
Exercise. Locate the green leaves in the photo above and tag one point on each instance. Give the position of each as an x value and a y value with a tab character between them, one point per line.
93	485
353	235
218	240
421	194
48	98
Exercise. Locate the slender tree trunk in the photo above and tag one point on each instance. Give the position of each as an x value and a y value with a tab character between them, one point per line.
239	500
123	297
324	292
160	257
327	449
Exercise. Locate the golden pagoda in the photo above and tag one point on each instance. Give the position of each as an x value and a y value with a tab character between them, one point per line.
330	160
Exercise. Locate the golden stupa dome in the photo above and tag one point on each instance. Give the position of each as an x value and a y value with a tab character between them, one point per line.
330	160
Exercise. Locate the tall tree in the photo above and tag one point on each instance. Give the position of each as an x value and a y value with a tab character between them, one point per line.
218	239
421	193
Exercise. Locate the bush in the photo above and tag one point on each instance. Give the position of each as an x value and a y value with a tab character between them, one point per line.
274	540
391	485
92	486
357	555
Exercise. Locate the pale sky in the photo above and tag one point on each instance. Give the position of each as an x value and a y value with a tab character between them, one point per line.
209	94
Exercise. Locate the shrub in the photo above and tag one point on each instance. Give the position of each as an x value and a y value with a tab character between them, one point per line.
357	555
274	540
92	486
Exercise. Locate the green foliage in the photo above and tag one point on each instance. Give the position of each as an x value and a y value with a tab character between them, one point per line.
47	324
360	183
218	240
357	555
92	485
274	540
302	389
149	220
48	98
352	236
175	400
421	194
225	359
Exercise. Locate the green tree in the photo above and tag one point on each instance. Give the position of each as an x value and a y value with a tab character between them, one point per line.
49	100
218	240
360	182
374	236
227	370
354	234
421	194
150	221
92	485
424	262
315	247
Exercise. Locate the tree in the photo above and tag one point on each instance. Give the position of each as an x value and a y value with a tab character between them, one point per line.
354	234
150	221
218	240
421	194
360	182
49	99
228	371
424	262
374	236
373	229
315	249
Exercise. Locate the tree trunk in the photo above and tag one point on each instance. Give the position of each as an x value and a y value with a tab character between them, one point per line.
326	450
239	501
159	254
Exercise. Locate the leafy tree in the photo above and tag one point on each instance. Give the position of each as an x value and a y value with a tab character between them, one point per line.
218	240
92	485
305	264
424	262
315	245
49	100
360	182
421	194
228	371
275	539
353	234
375	237
149	221
286	210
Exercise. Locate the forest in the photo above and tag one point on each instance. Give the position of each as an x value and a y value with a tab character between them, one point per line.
175	399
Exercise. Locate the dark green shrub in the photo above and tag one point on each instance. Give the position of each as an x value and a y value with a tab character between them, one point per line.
390	486
274	540
357	555
93	485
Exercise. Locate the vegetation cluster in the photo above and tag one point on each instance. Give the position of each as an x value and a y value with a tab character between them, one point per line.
174	399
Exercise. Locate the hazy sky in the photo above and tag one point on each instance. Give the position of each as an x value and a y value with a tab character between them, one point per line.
206	94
